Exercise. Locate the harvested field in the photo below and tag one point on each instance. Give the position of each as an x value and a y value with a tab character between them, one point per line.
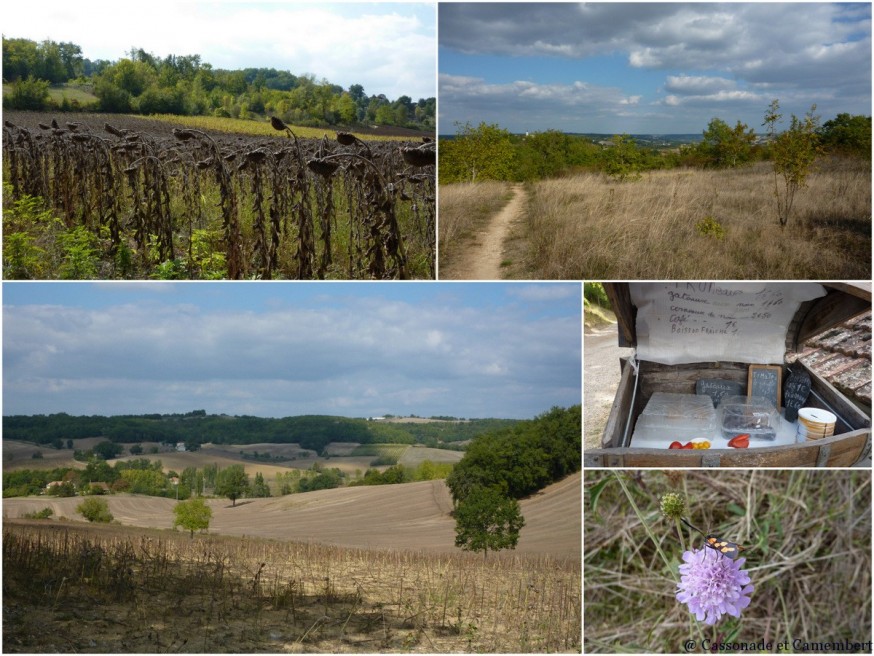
416	455
409	516
111	589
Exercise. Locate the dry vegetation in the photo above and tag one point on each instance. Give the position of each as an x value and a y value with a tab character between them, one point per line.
112	589
466	208
412	516
135	199
667	225
808	539
70	586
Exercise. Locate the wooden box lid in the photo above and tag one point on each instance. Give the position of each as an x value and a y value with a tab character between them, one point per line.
837	302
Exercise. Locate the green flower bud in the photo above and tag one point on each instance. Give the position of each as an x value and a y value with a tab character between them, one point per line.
673	506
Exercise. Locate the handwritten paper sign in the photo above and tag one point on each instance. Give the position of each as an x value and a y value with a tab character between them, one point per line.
716	388
684	322
765	381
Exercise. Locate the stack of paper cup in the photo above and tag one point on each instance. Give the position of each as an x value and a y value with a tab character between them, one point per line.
815	424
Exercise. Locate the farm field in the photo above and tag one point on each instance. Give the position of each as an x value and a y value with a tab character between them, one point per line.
409	516
344	456
694	224
349	570
155	199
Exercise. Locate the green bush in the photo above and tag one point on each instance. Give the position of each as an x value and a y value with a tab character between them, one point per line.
80	254
594	293
384	460
21	258
95	510
45	513
710	227
29	93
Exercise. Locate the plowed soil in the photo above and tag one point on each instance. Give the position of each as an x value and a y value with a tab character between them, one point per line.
410	516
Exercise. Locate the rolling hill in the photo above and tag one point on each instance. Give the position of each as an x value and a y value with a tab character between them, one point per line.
412	516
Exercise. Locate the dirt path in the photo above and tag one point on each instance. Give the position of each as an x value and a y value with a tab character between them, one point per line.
481	260
601	357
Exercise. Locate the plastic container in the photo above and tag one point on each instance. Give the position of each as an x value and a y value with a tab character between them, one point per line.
681	417
754	415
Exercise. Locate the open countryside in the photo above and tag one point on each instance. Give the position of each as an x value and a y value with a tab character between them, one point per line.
568	145
360	568
186	170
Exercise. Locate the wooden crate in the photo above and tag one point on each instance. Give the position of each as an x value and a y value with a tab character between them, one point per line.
852	439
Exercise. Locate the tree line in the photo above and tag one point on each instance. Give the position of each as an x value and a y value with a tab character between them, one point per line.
312	432
489	152
144	83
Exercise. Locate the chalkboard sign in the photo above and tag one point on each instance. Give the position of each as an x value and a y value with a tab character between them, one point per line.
765	380
716	388
795	393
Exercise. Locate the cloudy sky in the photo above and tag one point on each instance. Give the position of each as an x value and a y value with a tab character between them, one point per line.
279	349
649	68
387	48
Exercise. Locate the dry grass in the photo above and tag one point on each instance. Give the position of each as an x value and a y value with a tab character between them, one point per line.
464	209
113	589
808	539
590	227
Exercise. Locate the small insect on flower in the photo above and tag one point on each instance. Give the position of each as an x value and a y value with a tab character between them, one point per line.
728	549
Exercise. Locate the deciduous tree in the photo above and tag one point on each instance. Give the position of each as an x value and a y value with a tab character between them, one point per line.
477	153
487	520
793	151
232	482
192	515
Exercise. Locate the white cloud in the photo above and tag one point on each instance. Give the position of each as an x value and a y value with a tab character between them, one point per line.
387	48
817	49
697	84
156	356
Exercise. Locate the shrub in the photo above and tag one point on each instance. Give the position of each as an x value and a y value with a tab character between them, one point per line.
30	94
594	292
623	159
95	510
710	227
45	513
794	152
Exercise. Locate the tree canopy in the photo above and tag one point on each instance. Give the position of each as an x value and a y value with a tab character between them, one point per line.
487	520
192	515
521	460
194	428
232	482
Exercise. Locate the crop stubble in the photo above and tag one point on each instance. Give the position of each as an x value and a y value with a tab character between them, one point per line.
239	206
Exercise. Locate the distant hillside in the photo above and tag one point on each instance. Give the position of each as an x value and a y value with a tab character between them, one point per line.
194	428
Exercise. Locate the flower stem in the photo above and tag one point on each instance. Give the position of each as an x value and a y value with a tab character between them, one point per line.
680	533
645	525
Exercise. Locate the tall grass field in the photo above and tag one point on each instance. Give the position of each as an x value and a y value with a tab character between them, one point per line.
700	224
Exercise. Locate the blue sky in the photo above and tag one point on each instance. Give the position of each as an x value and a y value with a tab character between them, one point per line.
649	68
280	349
388	48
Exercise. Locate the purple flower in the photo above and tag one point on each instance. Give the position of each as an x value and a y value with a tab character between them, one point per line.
713	585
